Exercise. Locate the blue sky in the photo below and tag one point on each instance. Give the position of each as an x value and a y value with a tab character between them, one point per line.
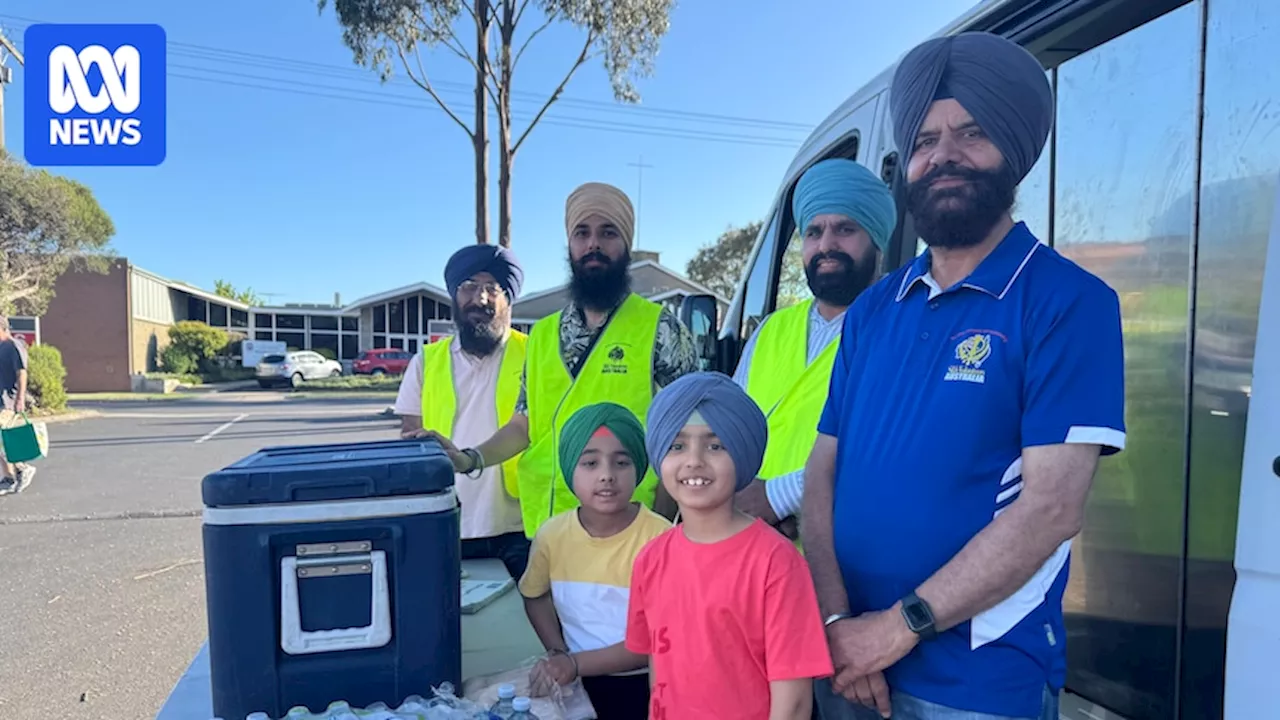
345	185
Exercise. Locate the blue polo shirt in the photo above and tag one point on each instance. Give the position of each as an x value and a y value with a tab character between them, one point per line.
933	397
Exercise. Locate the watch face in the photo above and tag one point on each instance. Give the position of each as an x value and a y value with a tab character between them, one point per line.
916	615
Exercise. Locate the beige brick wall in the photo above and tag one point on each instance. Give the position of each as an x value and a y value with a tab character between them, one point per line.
149	339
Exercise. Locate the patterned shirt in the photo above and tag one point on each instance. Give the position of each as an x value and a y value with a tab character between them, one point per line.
673	353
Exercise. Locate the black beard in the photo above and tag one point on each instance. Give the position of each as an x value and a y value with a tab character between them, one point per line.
479	337
600	288
987	197
841	287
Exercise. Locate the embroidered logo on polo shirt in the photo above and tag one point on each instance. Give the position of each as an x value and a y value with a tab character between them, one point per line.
970	354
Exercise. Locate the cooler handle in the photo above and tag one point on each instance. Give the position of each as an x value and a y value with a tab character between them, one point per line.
296	641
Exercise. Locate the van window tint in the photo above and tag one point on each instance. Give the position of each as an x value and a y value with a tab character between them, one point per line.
273	359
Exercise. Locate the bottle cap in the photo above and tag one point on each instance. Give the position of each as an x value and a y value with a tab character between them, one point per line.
521	704
506	691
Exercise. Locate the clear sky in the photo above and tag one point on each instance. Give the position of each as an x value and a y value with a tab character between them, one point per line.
292	171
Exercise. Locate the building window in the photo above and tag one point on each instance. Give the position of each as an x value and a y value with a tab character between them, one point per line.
397	343
197	309
350	324
293	340
428	310
444	312
379	342
325	341
413	346
262	320
411	315
350	347
260	335
217	315
239	318
379	318
395	311
324	322
292	322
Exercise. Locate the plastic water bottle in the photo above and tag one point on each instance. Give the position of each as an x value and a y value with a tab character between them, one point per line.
504	707
522	706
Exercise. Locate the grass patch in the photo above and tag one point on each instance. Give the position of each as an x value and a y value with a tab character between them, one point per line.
216	375
353	383
184	378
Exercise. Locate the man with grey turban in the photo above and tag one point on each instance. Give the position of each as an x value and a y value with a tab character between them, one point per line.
465	386
972	395
846	216
608	344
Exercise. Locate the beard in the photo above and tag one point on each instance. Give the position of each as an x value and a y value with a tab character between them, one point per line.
480	328
601	287
960	216
840	287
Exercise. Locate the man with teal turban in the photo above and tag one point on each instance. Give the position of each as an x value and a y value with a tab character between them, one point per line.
845	216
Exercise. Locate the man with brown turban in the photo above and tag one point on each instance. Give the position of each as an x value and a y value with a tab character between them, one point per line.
972	394
608	344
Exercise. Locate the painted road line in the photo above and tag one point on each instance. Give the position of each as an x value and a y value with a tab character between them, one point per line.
284	414
222	427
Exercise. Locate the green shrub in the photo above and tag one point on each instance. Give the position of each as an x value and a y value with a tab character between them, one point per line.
184	378
326	353
178	360
198	341
46	378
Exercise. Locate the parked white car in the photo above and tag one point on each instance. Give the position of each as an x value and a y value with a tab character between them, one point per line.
295	368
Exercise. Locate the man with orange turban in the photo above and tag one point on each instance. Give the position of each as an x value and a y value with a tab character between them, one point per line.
608	344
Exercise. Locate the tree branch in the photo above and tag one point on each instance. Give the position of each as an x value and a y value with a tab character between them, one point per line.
582	58
470	10
532	35
520	12
425	84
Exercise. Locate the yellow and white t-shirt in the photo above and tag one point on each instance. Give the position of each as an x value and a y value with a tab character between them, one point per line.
589	577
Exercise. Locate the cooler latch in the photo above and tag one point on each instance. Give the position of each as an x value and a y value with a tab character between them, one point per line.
333	560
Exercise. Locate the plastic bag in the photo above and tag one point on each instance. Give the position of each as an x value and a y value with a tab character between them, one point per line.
567	702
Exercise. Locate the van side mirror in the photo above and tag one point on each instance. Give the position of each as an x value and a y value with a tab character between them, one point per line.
700	313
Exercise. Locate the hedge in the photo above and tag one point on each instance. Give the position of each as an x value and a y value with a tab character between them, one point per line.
46	378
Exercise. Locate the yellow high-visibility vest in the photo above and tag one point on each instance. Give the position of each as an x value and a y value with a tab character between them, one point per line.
618	369
440	400
790	390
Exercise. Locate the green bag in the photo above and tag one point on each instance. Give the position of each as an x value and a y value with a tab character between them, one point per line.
22	443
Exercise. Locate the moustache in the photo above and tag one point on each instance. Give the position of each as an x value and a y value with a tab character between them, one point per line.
596	256
836	255
485	310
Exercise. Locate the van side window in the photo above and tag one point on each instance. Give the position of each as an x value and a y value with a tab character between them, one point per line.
760	281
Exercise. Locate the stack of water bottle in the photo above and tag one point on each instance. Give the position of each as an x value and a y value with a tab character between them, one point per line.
444	706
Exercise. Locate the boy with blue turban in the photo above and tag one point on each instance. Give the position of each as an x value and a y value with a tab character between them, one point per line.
722	603
846	217
576	589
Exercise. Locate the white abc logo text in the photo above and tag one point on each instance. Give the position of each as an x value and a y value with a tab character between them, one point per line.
69	89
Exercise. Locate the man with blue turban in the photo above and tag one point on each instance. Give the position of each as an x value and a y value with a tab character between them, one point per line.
845	216
973	392
466	387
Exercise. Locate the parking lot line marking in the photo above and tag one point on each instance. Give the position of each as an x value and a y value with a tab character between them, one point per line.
222	427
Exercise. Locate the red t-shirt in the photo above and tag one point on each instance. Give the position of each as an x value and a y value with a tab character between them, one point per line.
722	621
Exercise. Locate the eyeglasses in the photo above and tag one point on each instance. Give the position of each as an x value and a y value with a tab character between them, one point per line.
471	288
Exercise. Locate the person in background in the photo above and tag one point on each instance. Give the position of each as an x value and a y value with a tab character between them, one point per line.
578	582
608	344
846	216
972	394
723	604
467	385
13	400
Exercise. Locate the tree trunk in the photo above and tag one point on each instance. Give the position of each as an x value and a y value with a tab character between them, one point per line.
481	138
506	154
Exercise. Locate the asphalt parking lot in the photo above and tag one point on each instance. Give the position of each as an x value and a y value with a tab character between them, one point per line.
101	556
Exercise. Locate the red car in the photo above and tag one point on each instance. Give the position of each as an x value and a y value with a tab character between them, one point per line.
384	361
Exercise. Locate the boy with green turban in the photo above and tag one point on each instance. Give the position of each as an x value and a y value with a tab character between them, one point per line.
577	587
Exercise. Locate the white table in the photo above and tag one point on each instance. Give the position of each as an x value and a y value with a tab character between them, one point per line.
496	638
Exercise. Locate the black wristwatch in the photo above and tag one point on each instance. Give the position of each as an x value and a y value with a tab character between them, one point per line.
919	616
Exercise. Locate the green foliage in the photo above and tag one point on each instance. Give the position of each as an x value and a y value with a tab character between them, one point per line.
326	353
369	383
184	378
48	225
198	340
46	378
178	360
222	288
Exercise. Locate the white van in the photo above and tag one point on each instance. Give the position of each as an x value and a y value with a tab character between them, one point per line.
1161	178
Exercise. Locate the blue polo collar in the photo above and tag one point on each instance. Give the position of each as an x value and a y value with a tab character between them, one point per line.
993	276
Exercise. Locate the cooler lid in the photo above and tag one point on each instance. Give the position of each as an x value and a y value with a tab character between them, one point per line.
314	473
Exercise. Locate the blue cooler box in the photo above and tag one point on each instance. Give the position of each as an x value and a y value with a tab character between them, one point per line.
332	573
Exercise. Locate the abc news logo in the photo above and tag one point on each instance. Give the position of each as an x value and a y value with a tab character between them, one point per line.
95	94
121	90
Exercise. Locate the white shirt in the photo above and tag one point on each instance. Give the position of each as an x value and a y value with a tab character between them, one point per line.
785	492
487	509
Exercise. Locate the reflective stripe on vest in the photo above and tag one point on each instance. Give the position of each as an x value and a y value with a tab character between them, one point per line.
619	369
790	391
440	402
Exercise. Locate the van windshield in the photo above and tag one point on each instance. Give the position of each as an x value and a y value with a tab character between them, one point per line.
273	359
